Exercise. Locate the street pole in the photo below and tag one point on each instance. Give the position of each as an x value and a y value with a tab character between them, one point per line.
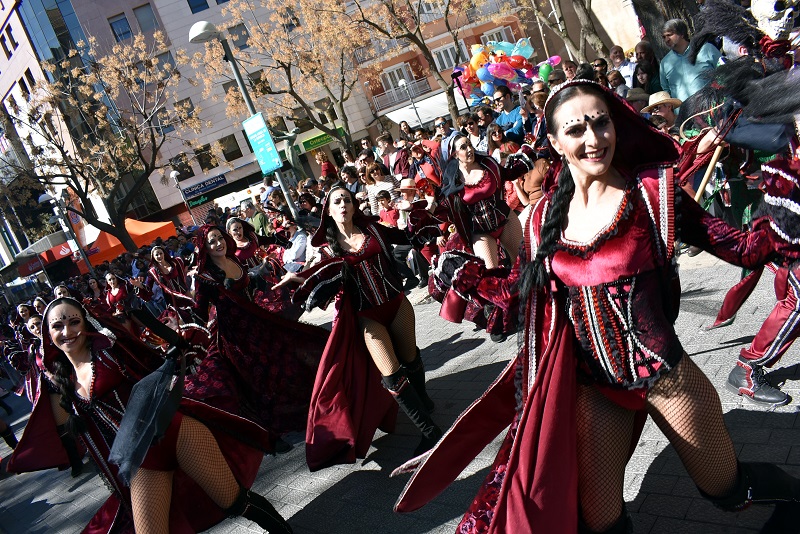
413	104
174	176
252	109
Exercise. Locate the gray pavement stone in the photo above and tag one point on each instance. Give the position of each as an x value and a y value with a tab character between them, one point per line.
461	363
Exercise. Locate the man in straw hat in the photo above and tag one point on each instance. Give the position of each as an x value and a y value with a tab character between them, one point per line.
638	98
661	103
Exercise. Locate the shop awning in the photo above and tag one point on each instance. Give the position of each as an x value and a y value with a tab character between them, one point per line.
108	247
428	109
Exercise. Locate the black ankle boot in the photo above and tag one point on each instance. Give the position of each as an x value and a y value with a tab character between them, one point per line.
406	396
748	380
9	437
623	525
256	508
763	483
415	371
68	442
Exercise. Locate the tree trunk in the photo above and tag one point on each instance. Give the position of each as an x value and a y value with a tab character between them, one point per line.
588	31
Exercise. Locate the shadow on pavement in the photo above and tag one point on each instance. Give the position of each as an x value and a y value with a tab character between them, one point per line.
669	502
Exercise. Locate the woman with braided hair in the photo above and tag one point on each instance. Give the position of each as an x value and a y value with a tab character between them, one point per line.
598	295
188	481
374	322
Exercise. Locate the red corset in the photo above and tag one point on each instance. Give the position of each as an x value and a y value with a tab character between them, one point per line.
615	299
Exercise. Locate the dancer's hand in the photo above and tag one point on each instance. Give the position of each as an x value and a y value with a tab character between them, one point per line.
287	279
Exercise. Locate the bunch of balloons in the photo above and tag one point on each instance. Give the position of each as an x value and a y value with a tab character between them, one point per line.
500	63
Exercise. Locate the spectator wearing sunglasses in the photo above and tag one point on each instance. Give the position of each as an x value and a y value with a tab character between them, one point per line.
468	124
508	114
600	65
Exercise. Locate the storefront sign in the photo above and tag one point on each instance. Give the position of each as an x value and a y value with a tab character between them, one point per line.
204	186
320	140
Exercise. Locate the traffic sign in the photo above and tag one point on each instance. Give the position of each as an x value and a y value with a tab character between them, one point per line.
257	132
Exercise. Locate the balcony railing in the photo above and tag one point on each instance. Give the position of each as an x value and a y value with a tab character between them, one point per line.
398	95
379	48
485	9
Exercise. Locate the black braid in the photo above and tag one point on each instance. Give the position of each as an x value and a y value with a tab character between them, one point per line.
534	273
62	378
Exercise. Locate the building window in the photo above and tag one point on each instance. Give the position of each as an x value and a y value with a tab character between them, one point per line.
198	5
498	34
120	27
301	120
446	57
239	36
205	158
146	18
23	87
185	107
30	78
324	105
230	148
182	167
163	123
4	44
11	39
222	1
430	10
247	141
289	19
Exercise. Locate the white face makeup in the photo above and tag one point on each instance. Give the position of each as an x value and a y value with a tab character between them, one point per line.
216	244
340	206
158	255
35	326
67	328
236	231
464	151
585	135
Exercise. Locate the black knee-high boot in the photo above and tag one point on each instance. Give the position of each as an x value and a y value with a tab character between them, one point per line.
6	408
406	396
257	508
9	437
415	370
763	483
623	525
68	442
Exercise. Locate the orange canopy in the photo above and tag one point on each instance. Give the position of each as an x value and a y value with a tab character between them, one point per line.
108	247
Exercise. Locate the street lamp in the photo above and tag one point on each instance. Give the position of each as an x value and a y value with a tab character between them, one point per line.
174	175
403	84
59	208
204	31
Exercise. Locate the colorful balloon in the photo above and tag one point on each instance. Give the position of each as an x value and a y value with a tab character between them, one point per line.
545	70
522	48
487	88
503	46
484	74
516	61
502	71
554	60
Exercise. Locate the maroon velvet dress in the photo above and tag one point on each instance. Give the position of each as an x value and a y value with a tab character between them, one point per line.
174	286
348	402
610	313
116	368
273	360
278	301
483	210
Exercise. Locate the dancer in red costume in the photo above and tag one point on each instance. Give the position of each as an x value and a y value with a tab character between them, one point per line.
264	253
170	274
188	481
274	360
374	321
472	196
599	350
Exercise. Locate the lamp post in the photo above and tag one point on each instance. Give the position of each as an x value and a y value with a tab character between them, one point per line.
59	208
404	85
174	175
202	32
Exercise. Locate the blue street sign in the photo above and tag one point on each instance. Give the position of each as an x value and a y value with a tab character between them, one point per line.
255	128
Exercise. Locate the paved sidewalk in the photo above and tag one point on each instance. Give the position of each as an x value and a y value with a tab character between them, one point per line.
461	363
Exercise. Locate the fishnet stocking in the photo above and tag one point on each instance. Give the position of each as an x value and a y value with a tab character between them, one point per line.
511	238
59	414
604	435
485	246
151	493
687	409
386	345
199	456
